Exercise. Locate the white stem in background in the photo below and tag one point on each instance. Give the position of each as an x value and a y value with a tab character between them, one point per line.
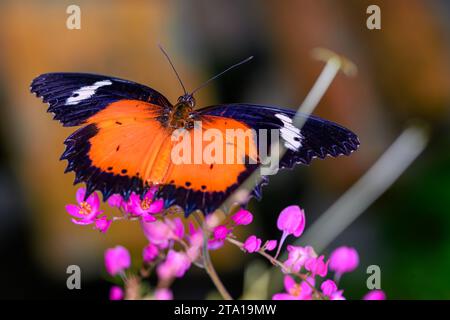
395	160
316	93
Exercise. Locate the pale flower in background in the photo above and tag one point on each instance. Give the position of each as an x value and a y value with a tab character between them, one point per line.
298	257
317	266
344	259
163	294
116	293
117	259
375	295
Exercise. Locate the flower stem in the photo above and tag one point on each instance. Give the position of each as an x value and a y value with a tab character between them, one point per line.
283	237
207	263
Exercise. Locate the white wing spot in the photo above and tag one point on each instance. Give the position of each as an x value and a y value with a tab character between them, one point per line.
290	134
86	92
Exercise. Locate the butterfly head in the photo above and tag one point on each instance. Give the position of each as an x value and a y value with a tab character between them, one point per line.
188	99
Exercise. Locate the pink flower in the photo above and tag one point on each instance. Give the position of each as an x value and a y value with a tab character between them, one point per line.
150	252
117	259
163	294
270	245
214	244
161	232
317	266
115	293
193	253
297	257
242	217
175	265
344	259
252	244
337	295
291	221
176	227
86	211
147	206
212	221
115	201
102	224
195	238
157	232
295	291
147	217
221	232
328	287
375	295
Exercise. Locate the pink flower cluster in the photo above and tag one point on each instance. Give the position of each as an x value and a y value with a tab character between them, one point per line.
135	207
241	218
291	221
87	211
174	247
221	232
303	261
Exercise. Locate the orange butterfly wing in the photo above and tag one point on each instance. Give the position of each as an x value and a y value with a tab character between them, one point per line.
207	184
123	148
130	141
213	174
129	149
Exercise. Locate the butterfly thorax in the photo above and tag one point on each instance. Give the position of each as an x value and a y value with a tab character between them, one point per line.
180	115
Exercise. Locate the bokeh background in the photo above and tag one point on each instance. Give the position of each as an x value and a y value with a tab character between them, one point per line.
403	75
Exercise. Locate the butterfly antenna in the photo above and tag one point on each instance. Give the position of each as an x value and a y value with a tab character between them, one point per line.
173	67
218	75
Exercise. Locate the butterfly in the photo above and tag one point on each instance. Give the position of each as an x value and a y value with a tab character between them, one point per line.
124	141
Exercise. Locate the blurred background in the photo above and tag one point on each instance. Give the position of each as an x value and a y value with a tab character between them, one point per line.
404	76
